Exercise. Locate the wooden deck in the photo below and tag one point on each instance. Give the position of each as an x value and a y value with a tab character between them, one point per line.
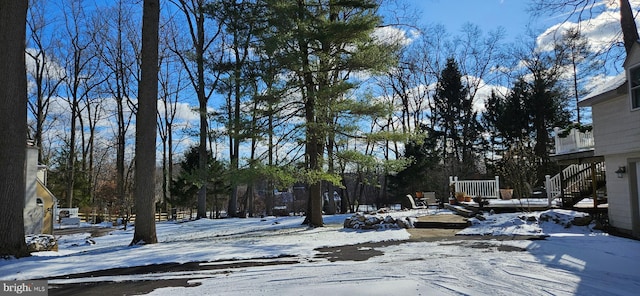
510	205
443	221
469	209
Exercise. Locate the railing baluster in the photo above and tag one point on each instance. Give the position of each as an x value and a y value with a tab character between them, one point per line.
574	141
474	188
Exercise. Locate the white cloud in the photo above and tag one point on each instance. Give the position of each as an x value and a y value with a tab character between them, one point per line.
393	35
52	69
184	111
483	91
601	30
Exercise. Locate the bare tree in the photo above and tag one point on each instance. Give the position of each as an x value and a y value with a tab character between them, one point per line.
477	53
45	74
13	119
200	43
409	86
118	45
145	230
92	114
78	55
171	80
581	62
93	107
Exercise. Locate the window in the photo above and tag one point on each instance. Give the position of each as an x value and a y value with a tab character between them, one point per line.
634	87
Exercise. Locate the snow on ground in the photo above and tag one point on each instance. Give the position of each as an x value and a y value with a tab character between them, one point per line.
572	260
553	222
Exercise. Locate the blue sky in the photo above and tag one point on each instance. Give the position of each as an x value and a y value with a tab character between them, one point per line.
600	26
512	15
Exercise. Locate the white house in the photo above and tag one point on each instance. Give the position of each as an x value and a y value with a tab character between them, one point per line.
615	109
40	203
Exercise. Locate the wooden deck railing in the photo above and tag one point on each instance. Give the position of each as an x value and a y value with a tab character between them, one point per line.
474	188
554	184
574	178
575	141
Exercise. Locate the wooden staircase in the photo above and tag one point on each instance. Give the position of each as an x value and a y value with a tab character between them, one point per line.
577	182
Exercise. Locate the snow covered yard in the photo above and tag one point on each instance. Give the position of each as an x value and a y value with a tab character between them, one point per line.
572	260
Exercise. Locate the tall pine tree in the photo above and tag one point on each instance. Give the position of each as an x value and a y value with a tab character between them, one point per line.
521	122
457	121
319	44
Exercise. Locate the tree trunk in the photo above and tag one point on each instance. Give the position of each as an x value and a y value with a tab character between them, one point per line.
145	229
331	202
170	170
202	160
202	99
71	162
120	169
628	25
270	187
313	144
314	152
122	126
13	120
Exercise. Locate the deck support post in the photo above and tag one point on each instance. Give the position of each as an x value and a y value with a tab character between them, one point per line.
547	186
594	184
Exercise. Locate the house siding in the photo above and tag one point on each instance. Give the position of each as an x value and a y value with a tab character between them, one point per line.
33	213
616	131
632	58
616	128
621	209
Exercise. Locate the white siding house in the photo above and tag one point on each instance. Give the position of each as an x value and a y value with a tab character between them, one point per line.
39	203
615	109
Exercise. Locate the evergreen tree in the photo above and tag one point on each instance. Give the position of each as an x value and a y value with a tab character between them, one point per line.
424	168
514	119
456	121
187	184
524	118
58	180
239	20
546	100
508	121
494	143
319	44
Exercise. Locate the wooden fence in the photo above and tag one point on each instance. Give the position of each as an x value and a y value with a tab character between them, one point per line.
89	217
